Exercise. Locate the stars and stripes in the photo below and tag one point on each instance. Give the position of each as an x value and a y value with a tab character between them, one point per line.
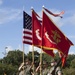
27	28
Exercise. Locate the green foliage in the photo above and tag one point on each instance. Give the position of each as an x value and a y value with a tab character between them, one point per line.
69	59
14	57
36	56
72	63
8	69
69	71
46	57
12	61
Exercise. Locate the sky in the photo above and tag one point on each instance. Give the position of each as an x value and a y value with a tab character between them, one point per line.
11	21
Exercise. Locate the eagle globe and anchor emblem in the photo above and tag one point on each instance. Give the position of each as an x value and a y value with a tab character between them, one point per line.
55	36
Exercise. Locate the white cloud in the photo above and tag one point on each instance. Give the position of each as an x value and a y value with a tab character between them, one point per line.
19	47
8	48
56	20
71	52
1	1
7	15
71	19
72	36
68	17
35	49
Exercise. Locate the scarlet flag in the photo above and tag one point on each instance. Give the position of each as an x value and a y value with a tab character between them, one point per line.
49	52
56	15
52	37
36	29
64	56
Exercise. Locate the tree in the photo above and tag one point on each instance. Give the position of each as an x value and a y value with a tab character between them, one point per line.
46	57
11	62
36	56
8	69
69	59
69	71
73	63
14	57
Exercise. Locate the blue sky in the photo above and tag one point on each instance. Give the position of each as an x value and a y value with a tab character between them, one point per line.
11	20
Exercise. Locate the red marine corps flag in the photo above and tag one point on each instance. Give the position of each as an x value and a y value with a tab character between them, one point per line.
37	33
52	37
64	56
36	29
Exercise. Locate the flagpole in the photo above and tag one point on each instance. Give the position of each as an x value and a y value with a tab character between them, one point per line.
24	34
33	57
32	45
41	49
23	53
41	55
23	43
41	62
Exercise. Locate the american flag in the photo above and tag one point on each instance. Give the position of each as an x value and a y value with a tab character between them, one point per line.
27	28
